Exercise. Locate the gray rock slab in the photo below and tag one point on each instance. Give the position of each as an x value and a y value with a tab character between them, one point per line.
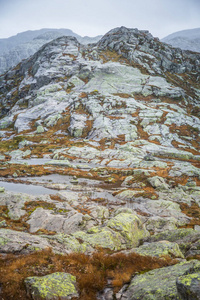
12	241
187	239
48	220
15	203
188	286
159	249
159	284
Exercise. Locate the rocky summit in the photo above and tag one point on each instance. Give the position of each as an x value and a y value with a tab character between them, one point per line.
25	44
99	166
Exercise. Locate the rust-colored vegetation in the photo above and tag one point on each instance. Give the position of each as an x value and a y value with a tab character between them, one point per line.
108	55
21	170
192	211
187	131
19	225
123	95
92	272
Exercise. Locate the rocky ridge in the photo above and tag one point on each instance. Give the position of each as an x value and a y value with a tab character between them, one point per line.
107	134
14	49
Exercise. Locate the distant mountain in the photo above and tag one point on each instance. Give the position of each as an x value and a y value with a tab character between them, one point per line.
24	44
185	39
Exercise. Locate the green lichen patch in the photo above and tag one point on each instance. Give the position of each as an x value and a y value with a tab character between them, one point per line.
130	227
161	283
188	286
172	235
101	238
53	286
159	249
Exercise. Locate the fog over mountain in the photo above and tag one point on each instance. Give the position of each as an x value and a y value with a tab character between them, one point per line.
24	44
16	48
185	39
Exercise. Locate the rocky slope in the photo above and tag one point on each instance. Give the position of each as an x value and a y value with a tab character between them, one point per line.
23	45
104	139
186	39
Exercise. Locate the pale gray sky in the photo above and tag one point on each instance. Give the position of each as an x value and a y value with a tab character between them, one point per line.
94	17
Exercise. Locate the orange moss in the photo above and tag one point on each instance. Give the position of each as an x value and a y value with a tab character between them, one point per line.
122	95
83	95
142	134
115	117
193	212
109	55
21	170
56	198
160	172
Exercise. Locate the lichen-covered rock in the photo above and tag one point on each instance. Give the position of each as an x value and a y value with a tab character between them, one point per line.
184	168
159	284
172	235
64	163
188	286
15	204
127	194
67	244
2	189
19	154
159	249
99	212
52	120
158	224
162	209
158	183
54	286
123	210
101	238
77	124
191	246
46	219
3	224
40	129
187	239
130	227
12	241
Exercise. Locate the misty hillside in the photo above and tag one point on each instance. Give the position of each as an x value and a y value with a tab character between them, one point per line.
185	39
100	171
25	44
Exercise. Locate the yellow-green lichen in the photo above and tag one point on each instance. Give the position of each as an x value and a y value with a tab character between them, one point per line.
54	285
187	279
104	238
130	227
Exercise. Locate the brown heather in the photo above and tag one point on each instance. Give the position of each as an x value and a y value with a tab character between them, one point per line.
192	211
92	272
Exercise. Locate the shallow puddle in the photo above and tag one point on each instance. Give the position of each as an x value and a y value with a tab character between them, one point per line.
26	188
31	161
62	179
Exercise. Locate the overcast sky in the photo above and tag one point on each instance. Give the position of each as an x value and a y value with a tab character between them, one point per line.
94	17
